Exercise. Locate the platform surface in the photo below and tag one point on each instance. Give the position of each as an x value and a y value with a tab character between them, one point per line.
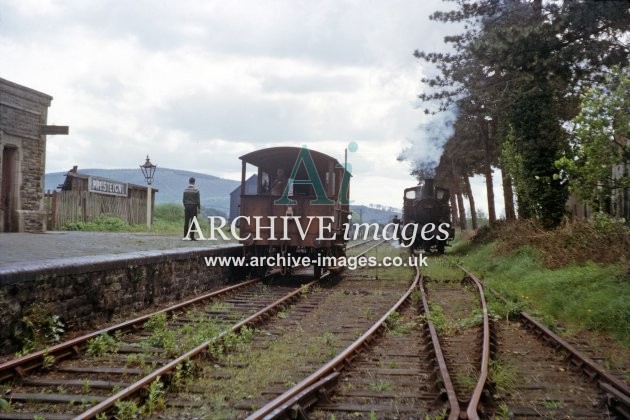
34	248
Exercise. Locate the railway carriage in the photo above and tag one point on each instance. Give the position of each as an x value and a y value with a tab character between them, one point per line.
427	205
300	207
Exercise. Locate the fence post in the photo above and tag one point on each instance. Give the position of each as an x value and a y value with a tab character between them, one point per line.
54	210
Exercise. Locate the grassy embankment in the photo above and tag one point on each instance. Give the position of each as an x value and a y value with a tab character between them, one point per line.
575	278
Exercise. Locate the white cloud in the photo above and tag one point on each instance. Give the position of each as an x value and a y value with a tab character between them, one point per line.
198	83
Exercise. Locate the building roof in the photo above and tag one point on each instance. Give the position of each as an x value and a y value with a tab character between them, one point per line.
73	173
25	88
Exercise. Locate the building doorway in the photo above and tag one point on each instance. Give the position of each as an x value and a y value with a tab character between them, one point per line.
9	190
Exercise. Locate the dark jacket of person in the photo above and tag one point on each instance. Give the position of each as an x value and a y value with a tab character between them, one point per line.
191	197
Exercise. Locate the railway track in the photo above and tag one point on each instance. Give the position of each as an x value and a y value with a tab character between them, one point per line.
395	369
459	313
545	387
87	376
497	369
294	401
293	345
535	373
393	378
435	352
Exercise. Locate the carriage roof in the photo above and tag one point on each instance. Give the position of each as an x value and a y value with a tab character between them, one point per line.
285	157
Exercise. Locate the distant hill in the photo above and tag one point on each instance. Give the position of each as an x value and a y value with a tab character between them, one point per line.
373	215
215	191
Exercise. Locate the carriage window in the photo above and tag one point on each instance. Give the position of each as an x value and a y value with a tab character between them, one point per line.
410	195
264	183
440	194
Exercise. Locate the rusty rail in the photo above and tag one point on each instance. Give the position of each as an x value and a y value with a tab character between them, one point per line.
617	390
60	351
196	352
310	386
472	410
439	356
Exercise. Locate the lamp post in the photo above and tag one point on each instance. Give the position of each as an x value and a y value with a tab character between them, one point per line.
148	169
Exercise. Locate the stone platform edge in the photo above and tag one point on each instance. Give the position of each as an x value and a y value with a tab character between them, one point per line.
83	291
28	271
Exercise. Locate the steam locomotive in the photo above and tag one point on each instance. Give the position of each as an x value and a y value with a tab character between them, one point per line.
427	207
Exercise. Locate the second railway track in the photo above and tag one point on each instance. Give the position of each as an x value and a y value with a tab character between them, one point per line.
394	378
458	316
533	372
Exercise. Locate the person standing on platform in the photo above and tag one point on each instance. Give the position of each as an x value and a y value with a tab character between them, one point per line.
192	206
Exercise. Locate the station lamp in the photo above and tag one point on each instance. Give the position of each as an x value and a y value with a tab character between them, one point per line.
148	170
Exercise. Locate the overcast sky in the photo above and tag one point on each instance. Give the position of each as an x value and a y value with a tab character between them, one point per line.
196	84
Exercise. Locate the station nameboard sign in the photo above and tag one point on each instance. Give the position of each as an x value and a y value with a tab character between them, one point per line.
55	129
100	185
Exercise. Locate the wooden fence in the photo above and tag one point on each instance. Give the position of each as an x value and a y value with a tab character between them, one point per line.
85	206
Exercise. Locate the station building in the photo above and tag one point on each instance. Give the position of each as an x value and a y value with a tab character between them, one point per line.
23	131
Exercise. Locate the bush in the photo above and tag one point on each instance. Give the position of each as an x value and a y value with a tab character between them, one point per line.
104	223
169	212
574	242
40	328
609	225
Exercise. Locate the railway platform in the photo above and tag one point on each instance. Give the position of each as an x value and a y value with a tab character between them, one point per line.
85	277
24	249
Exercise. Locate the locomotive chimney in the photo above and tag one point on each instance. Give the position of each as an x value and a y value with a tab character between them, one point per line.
428	190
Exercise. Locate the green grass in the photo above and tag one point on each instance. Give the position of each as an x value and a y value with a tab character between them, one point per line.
441	269
504	376
586	296
397	326
103	223
101	345
380	385
167	219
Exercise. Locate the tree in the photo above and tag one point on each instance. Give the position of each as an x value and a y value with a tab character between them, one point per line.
451	173
523	63
468	82
599	141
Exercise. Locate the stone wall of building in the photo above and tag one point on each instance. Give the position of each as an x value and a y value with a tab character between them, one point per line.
23	111
33	213
86	290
